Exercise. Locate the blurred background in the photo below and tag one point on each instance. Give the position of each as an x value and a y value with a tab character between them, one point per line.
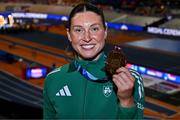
33	42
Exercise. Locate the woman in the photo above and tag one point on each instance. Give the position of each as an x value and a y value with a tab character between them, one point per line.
79	90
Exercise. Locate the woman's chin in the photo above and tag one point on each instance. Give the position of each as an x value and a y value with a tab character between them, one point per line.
89	56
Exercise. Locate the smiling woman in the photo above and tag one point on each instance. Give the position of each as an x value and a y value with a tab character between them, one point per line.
78	89
87	35
87	31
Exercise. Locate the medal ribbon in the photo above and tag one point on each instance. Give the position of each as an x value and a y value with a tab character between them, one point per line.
85	73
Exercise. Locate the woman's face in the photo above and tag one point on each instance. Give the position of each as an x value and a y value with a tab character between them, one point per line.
87	34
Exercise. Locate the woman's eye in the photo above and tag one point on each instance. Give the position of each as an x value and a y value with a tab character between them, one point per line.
95	29
78	30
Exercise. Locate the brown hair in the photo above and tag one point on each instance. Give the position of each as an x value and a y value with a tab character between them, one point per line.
82	7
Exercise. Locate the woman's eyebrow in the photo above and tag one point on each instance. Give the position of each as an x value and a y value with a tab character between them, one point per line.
95	24
90	25
77	26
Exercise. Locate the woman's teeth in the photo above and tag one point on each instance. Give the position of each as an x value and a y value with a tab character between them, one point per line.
88	46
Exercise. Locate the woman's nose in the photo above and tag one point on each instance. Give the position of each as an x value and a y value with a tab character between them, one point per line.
87	36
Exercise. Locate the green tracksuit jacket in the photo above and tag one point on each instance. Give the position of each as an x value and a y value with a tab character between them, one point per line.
69	95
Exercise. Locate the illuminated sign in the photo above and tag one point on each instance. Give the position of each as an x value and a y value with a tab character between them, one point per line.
64	18
155	73
120	26
2	21
124	27
11	20
32	73
30	15
6	21
163	31
57	17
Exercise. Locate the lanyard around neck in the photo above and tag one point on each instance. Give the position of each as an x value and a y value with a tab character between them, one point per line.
86	74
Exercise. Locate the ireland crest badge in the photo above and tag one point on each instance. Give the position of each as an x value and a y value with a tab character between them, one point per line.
107	90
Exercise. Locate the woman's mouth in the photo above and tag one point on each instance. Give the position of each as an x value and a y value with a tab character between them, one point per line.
88	46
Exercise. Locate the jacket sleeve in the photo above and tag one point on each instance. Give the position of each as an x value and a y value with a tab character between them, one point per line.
48	109
136	111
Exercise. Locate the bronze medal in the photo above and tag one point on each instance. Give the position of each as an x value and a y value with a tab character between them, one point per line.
115	59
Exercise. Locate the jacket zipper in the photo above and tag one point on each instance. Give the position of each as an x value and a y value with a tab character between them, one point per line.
84	101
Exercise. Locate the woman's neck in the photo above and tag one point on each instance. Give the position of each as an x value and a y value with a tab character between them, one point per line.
90	59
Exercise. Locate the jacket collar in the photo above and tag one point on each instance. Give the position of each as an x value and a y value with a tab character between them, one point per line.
100	62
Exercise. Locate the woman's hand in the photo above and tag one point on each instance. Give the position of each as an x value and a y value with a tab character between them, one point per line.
125	84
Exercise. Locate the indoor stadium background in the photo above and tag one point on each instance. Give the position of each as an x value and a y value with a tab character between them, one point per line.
33	42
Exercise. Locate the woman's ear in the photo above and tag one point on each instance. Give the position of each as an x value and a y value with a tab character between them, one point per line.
105	34
68	34
106	30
